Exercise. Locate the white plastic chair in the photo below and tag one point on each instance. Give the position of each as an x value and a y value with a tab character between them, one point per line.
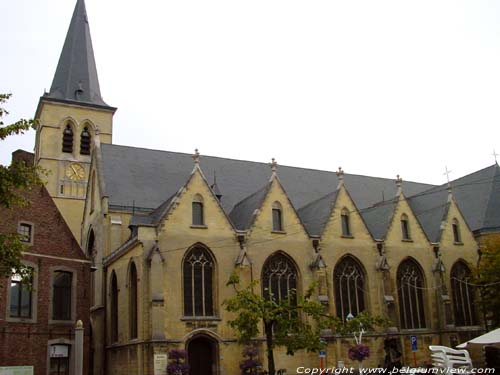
448	358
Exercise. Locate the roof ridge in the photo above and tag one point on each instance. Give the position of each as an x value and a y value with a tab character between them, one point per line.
265	164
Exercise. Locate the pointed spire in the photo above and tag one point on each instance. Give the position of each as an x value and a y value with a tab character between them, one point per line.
75	78
215	188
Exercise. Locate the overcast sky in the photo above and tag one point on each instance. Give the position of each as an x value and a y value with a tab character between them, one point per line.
377	87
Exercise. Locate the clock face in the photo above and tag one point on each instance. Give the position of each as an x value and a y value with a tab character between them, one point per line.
75	172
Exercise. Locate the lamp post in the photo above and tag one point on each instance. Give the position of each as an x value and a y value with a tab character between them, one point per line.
358	339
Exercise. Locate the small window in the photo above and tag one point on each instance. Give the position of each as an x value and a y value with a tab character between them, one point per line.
20	297
25	232
346	226
197	208
85	142
456	231
277	217
405	228
61	295
67	145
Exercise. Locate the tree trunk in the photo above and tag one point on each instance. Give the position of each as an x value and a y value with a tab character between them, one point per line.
268	327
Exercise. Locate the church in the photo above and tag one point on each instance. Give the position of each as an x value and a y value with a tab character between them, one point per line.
165	230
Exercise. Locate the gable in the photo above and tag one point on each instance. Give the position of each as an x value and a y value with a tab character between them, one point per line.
51	234
178	213
357	226
395	233
263	221
465	235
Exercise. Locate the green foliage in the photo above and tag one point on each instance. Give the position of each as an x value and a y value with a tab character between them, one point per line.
19	127
487	277
293	323
14	179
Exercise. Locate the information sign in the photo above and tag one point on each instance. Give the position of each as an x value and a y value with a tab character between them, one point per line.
413	340
160	363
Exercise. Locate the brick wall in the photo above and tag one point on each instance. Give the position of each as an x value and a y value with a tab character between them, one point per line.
26	341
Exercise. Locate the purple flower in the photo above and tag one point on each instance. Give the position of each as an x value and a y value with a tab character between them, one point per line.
359	352
177	362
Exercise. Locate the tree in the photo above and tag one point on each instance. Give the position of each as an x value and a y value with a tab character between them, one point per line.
295	322
14	179
487	277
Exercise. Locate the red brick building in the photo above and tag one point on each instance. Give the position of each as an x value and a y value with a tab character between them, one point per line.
37	324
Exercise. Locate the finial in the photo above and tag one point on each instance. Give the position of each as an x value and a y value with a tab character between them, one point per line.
79	324
399	181
399	184
274	165
340	176
196	156
340	173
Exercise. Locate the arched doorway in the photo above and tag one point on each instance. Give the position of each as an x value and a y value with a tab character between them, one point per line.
202	356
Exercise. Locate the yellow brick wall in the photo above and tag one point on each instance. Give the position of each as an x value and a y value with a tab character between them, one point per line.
52	119
175	236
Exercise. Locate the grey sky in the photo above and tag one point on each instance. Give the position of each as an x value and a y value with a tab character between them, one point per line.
377	87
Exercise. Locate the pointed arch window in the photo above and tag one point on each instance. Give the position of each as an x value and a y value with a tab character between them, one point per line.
197	210
198	274
410	292
279	278
349	281
85	141
67	144
346	225
463	295
133	300
114	308
277	217
405	228
457	238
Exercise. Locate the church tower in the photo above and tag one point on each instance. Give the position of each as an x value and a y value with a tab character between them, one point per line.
72	119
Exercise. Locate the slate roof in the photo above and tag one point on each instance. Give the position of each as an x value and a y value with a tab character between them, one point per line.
379	217
477	196
242	214
315	215
75	79
144	179
431	209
